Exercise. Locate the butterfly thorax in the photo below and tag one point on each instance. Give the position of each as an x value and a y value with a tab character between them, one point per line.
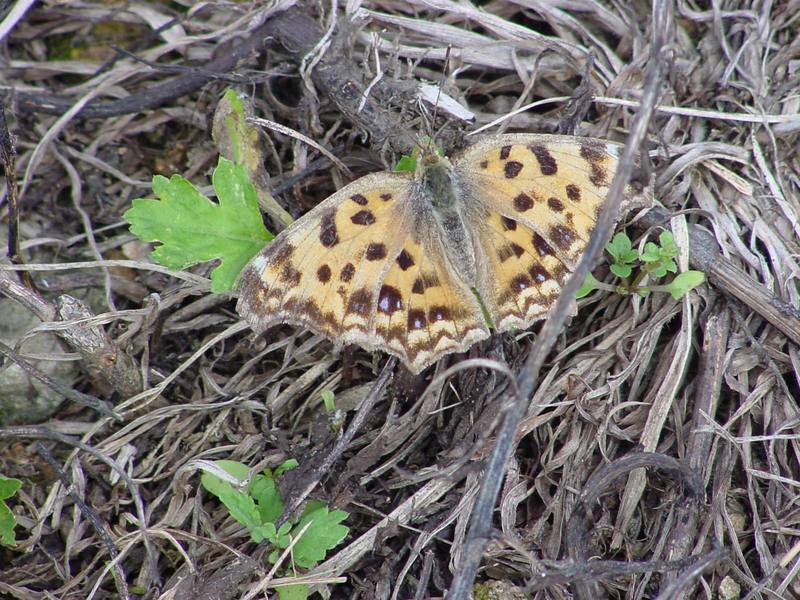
442	192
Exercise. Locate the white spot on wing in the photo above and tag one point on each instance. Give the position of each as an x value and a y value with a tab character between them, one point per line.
614	150
259	263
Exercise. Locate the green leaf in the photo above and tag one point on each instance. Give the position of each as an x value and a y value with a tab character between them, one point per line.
620	249
621	271
240	505
684	282
328	400
283	541
268	500
264	532
235	468
658	270
651	253
669	249
324	533
287	465
192	229
407	163
589	285
8	487
297	591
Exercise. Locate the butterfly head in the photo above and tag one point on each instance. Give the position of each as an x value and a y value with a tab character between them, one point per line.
435	173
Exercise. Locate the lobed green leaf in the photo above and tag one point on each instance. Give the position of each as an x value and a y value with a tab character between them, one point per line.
241	506
324	533
192	229
8	487
267	497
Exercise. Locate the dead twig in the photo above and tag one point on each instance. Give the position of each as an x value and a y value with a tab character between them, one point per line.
105	362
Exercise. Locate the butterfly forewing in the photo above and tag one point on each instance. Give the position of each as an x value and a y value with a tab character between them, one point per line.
539	196
324	271
364	268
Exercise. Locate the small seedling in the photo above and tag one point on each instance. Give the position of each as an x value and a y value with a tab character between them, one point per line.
193	229
632	267
259	505
408	162
328	400
8	487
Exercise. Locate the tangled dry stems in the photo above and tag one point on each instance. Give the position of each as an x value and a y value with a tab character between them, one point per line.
707	380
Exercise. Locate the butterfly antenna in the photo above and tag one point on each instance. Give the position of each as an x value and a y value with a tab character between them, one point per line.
439	93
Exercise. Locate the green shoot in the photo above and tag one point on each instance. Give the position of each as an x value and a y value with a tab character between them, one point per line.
240	141
193	229
623	254
259	505
328	401
632	267
408	163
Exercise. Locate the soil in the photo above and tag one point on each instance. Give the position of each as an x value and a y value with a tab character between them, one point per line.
658	454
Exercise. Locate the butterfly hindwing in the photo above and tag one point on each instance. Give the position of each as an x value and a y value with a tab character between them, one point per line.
432	311
523	276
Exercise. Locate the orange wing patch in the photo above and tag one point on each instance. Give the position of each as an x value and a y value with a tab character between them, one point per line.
324	271
536	198
523	276
423	310
556	188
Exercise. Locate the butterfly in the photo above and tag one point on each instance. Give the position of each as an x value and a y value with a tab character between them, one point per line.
424	264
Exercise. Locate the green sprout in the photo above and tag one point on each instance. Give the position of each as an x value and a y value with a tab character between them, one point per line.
258	506
633	267
328	399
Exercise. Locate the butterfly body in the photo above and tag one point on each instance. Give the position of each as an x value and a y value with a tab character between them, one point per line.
440	189
424	264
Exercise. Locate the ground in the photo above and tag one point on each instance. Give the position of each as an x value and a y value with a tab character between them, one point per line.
701	391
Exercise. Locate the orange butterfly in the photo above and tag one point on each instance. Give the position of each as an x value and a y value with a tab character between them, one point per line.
427	263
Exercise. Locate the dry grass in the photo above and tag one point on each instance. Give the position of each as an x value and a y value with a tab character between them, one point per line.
707	380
